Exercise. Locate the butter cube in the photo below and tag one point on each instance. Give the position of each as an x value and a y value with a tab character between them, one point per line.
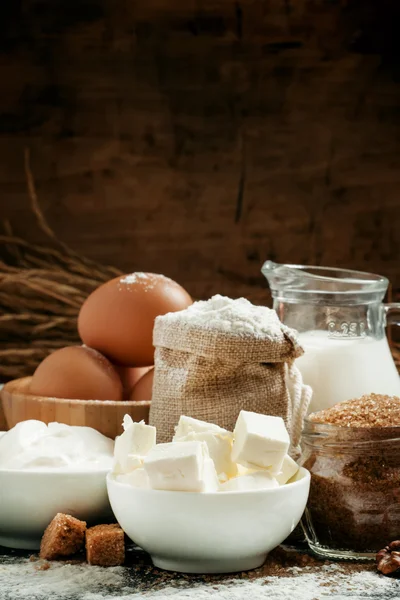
241	470
256	480
127	421
181	467
136	478
210	479
188	425
132	446
219	442
260	441
288	470
219	447
132	462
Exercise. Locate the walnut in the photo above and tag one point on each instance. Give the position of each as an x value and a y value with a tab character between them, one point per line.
388	559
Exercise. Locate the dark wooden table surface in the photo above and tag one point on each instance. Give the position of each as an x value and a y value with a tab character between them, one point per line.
288	573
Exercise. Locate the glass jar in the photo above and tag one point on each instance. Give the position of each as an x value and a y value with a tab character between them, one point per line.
354	505
341	322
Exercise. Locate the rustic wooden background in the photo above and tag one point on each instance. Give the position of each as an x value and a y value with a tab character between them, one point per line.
200	138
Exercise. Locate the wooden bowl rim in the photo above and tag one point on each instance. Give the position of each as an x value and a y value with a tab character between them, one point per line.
10	388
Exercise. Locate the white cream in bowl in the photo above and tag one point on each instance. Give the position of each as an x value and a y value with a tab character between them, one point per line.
46	469
33	445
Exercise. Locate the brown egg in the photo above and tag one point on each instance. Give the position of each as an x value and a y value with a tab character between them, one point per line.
118	318
143	390
76	373
130	376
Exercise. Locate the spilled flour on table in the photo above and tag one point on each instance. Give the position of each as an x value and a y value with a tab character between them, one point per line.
60	582
82	582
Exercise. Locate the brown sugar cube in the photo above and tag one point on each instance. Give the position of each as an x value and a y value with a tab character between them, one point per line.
63	537
105	545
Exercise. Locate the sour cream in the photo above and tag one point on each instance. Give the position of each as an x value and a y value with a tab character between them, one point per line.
33	445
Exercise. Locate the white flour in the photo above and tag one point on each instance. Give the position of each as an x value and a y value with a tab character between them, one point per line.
59	582
134	278
311	586
82	582
235	316
147	281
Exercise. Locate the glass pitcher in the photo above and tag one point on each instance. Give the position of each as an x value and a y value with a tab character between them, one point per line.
341	322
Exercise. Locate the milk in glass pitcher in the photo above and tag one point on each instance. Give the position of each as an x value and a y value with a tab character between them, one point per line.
341	322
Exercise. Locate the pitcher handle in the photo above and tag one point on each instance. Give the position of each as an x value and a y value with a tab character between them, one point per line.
392	312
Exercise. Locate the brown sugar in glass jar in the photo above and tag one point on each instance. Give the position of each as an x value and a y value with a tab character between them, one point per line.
352	451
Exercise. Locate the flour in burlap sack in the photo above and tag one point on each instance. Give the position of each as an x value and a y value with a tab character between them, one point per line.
220	356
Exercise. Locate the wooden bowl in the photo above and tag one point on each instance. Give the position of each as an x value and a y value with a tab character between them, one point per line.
104	415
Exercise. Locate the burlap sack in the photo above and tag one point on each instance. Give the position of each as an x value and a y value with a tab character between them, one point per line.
211	375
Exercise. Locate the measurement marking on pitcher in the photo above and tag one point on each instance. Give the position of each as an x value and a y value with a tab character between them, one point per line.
345	329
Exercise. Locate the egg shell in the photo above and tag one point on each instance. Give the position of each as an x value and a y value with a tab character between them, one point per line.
118	317
130	376
143	390
76	373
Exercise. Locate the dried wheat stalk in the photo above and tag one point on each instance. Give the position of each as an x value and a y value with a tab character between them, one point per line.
41	291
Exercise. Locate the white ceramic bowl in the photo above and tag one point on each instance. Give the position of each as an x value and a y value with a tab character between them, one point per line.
30	499
209	533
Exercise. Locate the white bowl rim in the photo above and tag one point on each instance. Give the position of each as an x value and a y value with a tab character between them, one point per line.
305	477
